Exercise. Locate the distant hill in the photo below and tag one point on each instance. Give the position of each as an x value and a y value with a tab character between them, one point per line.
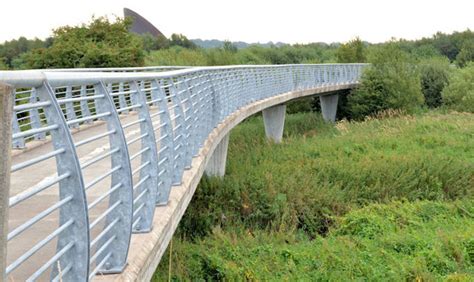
214	43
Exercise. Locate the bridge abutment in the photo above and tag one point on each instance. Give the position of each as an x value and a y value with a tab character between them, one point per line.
329	106
216	164
274	120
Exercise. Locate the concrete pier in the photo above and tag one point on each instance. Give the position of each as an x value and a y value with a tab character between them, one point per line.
329	106
274	120
216	164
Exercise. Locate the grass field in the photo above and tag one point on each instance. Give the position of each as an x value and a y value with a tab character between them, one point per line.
390	198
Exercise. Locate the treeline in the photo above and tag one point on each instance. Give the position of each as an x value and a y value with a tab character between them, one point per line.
104	43
403	75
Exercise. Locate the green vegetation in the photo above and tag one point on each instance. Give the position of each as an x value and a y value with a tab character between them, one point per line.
459	94
98	44
434	77
387	195
391	82
420	241
230	55
351	52
466	54
392	196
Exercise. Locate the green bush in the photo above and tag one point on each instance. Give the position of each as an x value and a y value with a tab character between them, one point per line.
466	54
434	77
459	94
391	82
100	43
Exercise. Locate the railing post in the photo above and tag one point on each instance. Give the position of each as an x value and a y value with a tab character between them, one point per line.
115	255
75	211
143	217
34	116
6	109
164	137
179	134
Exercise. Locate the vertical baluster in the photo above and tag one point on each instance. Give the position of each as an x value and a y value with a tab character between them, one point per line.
70	112
85	111
121	98
18	143
35	117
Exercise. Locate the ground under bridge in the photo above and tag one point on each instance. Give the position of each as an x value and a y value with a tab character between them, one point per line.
98	166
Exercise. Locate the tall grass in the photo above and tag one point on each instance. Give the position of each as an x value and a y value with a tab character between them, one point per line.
331	189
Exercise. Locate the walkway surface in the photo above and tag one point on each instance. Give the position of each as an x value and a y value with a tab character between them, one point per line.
146	249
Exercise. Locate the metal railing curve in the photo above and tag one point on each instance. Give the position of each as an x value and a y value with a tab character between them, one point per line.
113	143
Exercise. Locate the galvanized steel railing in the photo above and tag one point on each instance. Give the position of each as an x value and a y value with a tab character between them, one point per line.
147	126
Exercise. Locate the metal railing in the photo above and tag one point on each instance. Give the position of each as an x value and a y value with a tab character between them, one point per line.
145	128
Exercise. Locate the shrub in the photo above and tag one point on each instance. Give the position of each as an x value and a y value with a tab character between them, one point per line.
390	82
459	94
100	43
434	77
466	54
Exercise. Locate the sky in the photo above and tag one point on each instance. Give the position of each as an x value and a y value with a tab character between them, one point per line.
289	21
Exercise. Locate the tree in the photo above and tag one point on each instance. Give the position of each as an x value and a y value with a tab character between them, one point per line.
459	94
152	43
466	54
3	66
391	82
434	77
11	50
351	52
229	47
100	43
181	40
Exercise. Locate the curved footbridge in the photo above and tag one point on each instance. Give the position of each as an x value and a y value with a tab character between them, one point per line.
104	163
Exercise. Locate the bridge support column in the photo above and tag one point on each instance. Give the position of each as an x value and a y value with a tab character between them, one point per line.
6	108
274	121
329	106
216	164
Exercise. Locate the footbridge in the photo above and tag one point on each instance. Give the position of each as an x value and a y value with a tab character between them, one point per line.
98	166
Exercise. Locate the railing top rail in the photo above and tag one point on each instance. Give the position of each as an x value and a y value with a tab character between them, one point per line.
56	77
121	69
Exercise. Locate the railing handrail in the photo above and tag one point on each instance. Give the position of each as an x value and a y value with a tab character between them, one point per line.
59	77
